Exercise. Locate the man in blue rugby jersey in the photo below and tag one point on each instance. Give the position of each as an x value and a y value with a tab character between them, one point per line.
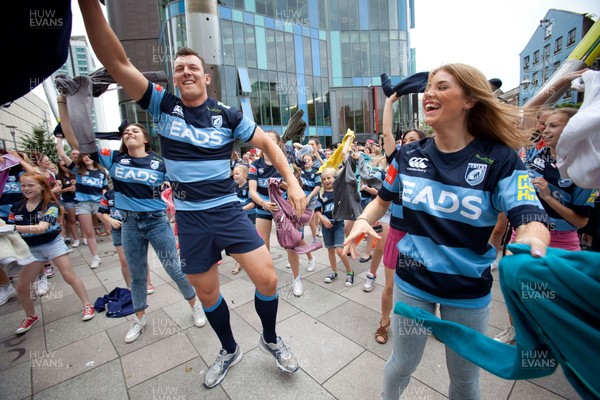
196	136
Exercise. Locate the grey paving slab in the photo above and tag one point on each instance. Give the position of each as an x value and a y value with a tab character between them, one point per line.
54	367
165	295
181	313
158	327
15	382
360	379
156	358
10	307
257	378
70	329
315	301
319	361
358	323
111	277
67	302
206	342
558	384
181	382
103	382
17	349
528	390
371	299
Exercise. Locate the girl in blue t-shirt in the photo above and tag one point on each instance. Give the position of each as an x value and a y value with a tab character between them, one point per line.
90	183
35	218
333	230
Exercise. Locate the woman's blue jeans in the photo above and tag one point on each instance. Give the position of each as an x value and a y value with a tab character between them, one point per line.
409	338
138	230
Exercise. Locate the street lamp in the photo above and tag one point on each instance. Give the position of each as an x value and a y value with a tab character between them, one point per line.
12	132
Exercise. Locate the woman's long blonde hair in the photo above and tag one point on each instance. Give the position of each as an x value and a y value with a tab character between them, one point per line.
489	117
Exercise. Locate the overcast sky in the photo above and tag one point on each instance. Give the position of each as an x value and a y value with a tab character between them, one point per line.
488	35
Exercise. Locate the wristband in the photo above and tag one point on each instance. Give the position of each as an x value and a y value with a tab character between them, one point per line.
364	219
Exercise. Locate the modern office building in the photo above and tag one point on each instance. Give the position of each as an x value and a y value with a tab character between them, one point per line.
273	57
20	117
81	62
554	39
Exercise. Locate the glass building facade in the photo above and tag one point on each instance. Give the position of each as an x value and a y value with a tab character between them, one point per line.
324	57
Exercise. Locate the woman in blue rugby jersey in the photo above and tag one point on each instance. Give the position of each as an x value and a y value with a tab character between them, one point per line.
453	186
90	183
138	175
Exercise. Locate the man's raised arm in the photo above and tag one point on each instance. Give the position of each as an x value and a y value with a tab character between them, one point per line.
109	50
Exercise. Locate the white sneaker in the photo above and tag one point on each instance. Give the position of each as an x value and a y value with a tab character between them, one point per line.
198	314
6	293
41	286
506	336
297	287
96	261
137	328
84	241
369	283
75	244
311	265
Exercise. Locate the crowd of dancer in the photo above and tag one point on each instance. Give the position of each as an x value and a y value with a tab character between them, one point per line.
435	206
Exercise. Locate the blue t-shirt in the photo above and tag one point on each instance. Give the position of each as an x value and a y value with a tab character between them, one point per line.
137	180
89	184
310	179
107	206
326	204
19	215
581	201
450	204
196	143
243	194
260	172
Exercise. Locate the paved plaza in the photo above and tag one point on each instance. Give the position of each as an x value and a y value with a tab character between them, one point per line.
330	328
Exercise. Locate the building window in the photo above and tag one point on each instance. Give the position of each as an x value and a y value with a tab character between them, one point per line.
571	37
548	31
526	62
558	45
546	51
536	57
535	79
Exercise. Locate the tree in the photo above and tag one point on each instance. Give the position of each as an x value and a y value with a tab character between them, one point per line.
40	141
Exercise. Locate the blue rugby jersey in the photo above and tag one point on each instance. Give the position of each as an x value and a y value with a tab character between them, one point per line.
137	180
89	187
260	172
451	202
326	204
393	185
196	143
310	179
11	192
107	206
564	190
243	194
19	215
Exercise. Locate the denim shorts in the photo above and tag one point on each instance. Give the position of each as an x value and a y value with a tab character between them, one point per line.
49	251
116	236
69	205
204	234
86	207
334	236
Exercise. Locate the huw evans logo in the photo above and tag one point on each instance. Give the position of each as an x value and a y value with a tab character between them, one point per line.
44	19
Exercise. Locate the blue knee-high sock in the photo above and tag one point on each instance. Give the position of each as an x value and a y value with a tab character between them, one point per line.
218	316
266	308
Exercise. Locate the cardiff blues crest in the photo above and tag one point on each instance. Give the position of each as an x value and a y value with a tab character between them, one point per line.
217	121
475	173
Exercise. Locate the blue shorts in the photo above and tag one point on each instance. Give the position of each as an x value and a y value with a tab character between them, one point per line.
204	234
49	251
116	236
334	236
